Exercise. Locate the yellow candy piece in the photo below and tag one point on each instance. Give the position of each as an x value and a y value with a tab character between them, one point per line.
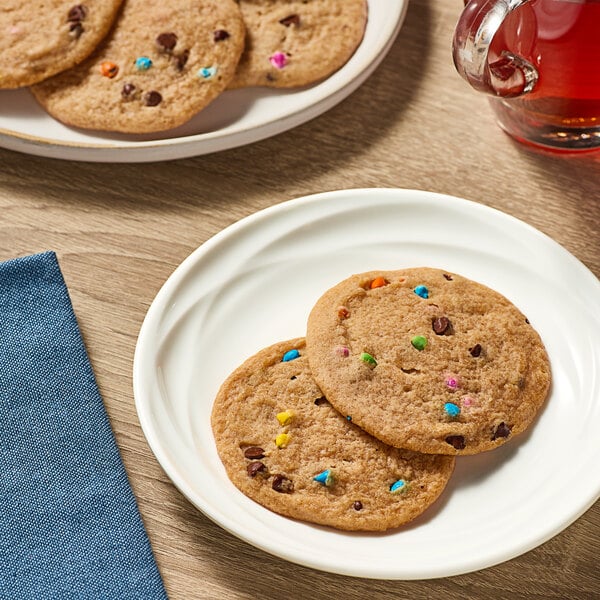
282	440
285	417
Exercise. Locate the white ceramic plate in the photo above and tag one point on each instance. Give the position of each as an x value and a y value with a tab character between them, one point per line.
236	118
254	283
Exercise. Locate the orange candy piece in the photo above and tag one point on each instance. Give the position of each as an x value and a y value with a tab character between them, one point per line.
378	282
109	69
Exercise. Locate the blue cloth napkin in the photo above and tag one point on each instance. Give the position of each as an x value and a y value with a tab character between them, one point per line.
69	523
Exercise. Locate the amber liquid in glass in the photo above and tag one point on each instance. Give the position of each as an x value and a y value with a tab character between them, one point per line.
561	38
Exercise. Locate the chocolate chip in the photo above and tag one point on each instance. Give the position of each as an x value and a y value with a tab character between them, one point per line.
290	20
282	484
293	377
357	505
255	467
448	277
441	325
502	431
475	351
457	441
77	13
254	453
76	29
127	91
181	59
167	41
527	321
220	34
152	98
320	401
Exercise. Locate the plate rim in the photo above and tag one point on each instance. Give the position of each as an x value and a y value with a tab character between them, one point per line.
250	221
131	151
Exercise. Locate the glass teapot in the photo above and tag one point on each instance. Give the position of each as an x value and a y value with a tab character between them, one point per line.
540	60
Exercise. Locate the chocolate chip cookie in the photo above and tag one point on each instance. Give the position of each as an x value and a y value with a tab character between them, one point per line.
159	66
41	38
284	446
428	360
292	43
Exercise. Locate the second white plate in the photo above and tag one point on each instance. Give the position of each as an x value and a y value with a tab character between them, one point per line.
254	284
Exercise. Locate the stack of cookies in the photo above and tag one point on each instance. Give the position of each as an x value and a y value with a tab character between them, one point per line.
358	425
142	67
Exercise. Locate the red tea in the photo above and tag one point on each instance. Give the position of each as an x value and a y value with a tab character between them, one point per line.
561	39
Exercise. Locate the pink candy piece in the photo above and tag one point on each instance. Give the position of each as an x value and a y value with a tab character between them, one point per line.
452	382
278	60
468	401
342	351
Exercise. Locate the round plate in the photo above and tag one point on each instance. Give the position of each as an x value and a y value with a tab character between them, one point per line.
254	284
235	118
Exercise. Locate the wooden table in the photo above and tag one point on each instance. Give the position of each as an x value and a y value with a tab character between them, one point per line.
120	230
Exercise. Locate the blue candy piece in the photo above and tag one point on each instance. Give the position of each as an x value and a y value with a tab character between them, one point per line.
207	72
452	409
325	478
422	291
143	63
398	486
290	355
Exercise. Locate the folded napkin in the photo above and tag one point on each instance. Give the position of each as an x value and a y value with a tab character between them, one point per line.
69	523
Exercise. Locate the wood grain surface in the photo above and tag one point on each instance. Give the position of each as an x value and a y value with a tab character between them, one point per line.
121	229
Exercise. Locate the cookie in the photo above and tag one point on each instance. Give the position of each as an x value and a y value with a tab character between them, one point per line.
428	360
284	446
159	66
293	43
41	38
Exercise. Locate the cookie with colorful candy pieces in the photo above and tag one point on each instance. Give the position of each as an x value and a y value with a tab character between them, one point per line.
293	43
428	360
284	446
160	65
40	38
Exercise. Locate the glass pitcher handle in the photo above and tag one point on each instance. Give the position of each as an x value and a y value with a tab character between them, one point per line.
508	76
